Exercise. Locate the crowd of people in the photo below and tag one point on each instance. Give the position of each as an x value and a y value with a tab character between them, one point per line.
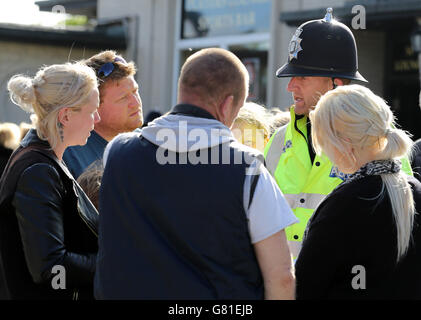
217	199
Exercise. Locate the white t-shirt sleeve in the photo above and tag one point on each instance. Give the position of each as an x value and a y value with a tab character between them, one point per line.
269	212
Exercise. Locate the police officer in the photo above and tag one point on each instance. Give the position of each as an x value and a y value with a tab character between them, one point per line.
322	55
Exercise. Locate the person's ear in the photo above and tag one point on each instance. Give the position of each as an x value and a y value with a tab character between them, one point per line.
224	109
339	82
64	116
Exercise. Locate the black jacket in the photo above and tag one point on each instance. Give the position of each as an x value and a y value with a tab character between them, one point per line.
45	220
350	248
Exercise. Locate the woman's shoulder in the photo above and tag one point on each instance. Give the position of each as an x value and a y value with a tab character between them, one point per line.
356	197
40	174
367	187
38	184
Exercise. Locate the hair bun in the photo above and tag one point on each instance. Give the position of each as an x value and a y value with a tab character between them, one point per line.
22	92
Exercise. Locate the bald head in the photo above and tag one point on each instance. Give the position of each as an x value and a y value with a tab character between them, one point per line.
211	75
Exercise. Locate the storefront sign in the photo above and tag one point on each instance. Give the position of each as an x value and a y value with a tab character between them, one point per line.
207	18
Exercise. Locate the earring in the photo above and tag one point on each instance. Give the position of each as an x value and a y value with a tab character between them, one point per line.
60	131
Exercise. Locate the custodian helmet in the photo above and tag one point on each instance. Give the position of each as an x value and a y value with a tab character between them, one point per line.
323	48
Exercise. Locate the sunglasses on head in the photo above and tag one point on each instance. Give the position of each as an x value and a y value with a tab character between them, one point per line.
108	67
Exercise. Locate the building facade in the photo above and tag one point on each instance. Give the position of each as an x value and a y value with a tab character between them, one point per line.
24	49
259	32
161	34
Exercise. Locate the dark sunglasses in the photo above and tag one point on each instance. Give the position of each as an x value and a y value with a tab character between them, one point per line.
108	67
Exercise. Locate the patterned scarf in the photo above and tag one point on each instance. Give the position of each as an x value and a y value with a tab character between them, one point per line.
375	167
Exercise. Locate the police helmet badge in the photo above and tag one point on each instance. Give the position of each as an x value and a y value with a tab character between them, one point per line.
329	15
294	45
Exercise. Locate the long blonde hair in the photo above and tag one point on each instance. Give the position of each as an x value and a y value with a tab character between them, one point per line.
354	115
53	88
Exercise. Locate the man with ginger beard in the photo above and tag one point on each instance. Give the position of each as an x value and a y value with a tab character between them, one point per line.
120	109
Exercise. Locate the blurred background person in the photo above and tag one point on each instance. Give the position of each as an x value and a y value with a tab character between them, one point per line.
252	126
370	220
9	141
46	219
120	109
278	118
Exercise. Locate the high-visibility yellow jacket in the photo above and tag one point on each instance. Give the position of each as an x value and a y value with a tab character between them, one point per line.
304	184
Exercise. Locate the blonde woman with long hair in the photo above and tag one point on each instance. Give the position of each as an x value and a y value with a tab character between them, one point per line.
363	241
48	226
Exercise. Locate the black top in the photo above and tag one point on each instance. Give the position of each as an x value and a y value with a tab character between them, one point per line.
351	233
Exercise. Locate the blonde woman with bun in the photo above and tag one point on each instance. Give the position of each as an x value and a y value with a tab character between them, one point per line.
363	241
48	226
